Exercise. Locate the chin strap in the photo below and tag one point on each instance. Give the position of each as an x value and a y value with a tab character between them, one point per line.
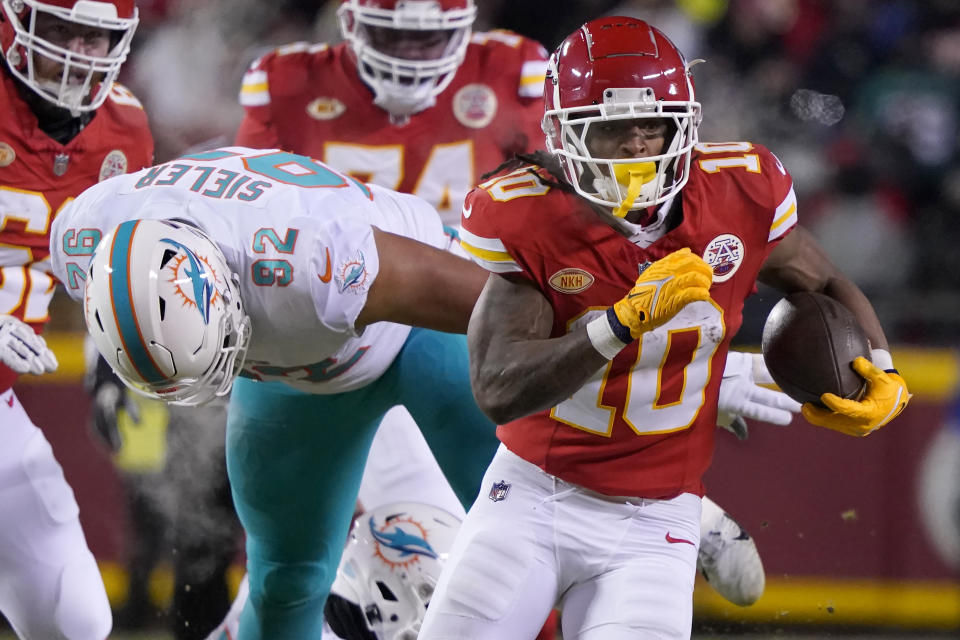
633	176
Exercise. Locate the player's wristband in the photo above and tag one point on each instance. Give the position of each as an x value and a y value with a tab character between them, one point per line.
605	335
883	360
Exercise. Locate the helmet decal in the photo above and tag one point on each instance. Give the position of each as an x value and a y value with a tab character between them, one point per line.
405	545
202	279
124	310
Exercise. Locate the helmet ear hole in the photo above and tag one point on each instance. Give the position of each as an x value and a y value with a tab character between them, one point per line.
96	315
163	308
385	591
167	256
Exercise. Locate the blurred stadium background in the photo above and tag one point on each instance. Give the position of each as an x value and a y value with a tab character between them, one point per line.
861	101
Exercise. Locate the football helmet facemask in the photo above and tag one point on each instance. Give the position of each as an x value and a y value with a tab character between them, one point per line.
389	570
407	79
164	309
621	69
85	80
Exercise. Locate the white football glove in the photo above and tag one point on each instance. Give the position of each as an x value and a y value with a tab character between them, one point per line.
23	350
742	397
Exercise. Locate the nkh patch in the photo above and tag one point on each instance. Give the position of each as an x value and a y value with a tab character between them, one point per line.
724	254
571	280
499	490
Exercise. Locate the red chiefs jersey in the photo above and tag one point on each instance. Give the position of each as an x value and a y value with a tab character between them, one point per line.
644	424
38	175
309	99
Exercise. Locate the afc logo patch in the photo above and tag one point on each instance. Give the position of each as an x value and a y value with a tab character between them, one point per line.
499	490
724	254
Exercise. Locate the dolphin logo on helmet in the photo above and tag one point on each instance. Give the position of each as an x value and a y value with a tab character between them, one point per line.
201	279
399	540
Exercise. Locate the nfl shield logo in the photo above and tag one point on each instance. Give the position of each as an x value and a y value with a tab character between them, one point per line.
499	491
60	162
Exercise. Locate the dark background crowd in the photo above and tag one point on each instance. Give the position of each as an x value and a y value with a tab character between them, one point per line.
860	99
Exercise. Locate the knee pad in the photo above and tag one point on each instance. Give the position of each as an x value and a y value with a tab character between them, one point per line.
488	576
290	584
46	478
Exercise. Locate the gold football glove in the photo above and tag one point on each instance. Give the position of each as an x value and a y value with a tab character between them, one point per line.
885	397
662	289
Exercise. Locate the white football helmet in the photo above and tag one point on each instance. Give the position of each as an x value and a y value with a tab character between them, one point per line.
164	309
406	85
389	571
85	80
616	69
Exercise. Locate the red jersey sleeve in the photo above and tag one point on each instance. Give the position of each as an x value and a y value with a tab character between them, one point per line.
782	199
279	72
129	130
494	217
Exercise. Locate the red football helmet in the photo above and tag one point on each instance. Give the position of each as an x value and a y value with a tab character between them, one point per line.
404	83
85	80
620	68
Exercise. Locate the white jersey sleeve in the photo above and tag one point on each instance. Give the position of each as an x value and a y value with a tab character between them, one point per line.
407	215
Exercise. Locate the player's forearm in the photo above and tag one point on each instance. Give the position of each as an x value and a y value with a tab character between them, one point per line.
512	379
798	263
849	295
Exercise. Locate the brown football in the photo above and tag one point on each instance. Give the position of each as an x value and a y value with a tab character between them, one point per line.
809	343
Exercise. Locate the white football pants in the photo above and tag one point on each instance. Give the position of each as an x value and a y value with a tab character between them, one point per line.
618	568
50	586
400	468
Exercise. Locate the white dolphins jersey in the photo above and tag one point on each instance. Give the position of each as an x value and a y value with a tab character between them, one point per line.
296	233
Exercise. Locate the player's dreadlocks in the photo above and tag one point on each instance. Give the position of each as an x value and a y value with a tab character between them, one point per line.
538	159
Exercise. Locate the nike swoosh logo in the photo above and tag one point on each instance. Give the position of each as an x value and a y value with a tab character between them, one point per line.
467	211
10	401
673	540
326	275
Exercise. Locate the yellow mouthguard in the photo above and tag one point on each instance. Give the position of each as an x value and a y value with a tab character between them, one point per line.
633	176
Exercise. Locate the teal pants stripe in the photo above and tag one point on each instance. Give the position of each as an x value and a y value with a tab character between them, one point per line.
296	459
